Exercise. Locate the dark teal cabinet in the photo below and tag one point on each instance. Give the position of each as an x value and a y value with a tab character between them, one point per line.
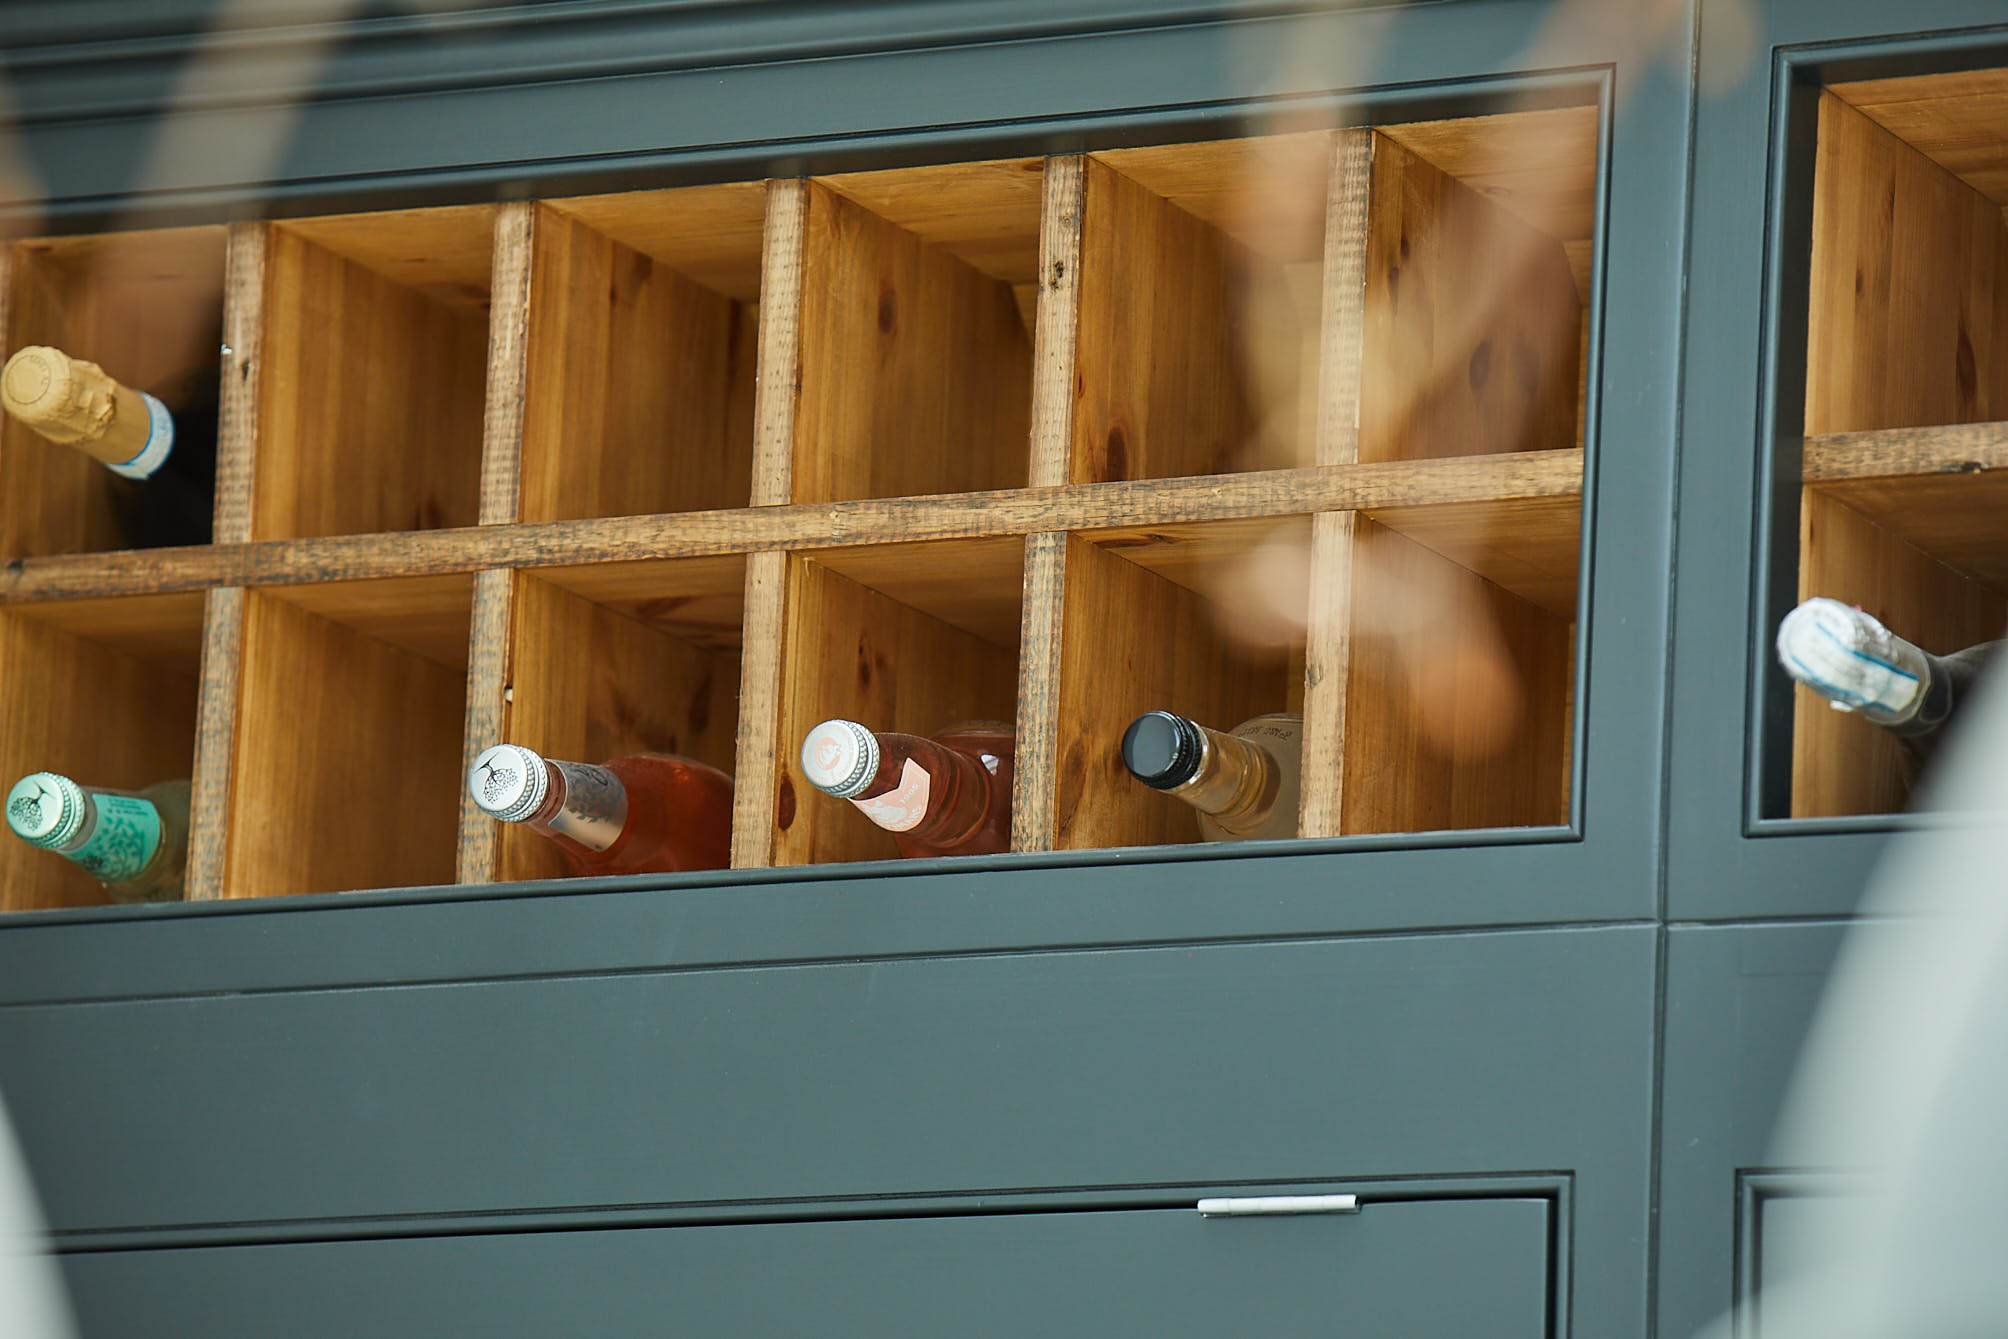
938	1098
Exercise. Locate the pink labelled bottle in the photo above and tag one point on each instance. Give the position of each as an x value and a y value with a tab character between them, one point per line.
650	813
949	795
1243	782
134	842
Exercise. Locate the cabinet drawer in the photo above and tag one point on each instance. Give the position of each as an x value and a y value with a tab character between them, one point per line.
1405	1270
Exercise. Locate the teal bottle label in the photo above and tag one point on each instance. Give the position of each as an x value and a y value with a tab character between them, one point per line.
124	840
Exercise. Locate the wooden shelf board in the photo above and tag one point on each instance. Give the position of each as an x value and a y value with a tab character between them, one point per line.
1944	490
426	615
698	600
1516	477
986	214
1529	546
709	234
444	253
1959	120
976	585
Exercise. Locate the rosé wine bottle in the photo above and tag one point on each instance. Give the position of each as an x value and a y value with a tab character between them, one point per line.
949	795
649	813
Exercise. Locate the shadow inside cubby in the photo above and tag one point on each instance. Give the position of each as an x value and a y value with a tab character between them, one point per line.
1907	328
350	706
638	396
375	364
617	659
918	291
104	692
898	637
147	307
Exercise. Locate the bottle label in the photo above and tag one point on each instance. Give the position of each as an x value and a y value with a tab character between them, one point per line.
124	839
595	808
901	808
159	442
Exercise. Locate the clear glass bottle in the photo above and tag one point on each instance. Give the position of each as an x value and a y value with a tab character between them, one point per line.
649	813
949	795
165	456
134	842
1242	781
1849	658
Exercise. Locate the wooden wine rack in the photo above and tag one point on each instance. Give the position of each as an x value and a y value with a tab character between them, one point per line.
1905	470
690	469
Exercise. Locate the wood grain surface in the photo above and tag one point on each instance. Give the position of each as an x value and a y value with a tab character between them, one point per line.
1907	319
1160	389
1842	764
94	709
916	369
1472	323
591	685
371	398
639	385
347	769
856	653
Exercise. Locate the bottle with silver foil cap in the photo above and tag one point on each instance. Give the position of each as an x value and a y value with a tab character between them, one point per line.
134	842
949	795
162	448
1243	782
648	813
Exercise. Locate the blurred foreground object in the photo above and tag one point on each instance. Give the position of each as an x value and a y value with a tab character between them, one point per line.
1904	1078
32	1301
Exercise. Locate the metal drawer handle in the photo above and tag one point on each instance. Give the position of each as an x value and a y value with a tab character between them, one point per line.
1272	1204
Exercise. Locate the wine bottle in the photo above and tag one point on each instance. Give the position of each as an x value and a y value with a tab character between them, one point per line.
1849	658
1242	781
647	813
134	842
949	795
164	460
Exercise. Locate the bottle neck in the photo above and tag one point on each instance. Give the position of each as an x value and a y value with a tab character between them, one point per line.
583	804
119	837
925	791
1236	783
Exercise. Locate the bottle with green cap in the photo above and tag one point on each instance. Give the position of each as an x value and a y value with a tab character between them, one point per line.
134	842
1242	781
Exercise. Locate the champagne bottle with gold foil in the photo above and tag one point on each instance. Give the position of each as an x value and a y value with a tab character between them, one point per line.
164	457
1242	781
649	813
134	842
949	795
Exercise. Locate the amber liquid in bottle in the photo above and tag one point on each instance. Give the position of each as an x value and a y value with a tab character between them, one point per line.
949	795
645	814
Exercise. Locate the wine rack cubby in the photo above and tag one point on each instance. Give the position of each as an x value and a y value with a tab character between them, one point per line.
1284	423
1905	465
146	306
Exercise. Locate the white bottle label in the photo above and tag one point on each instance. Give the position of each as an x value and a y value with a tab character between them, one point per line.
901	808
159	442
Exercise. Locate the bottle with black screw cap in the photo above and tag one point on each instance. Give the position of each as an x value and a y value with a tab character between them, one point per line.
1242	781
